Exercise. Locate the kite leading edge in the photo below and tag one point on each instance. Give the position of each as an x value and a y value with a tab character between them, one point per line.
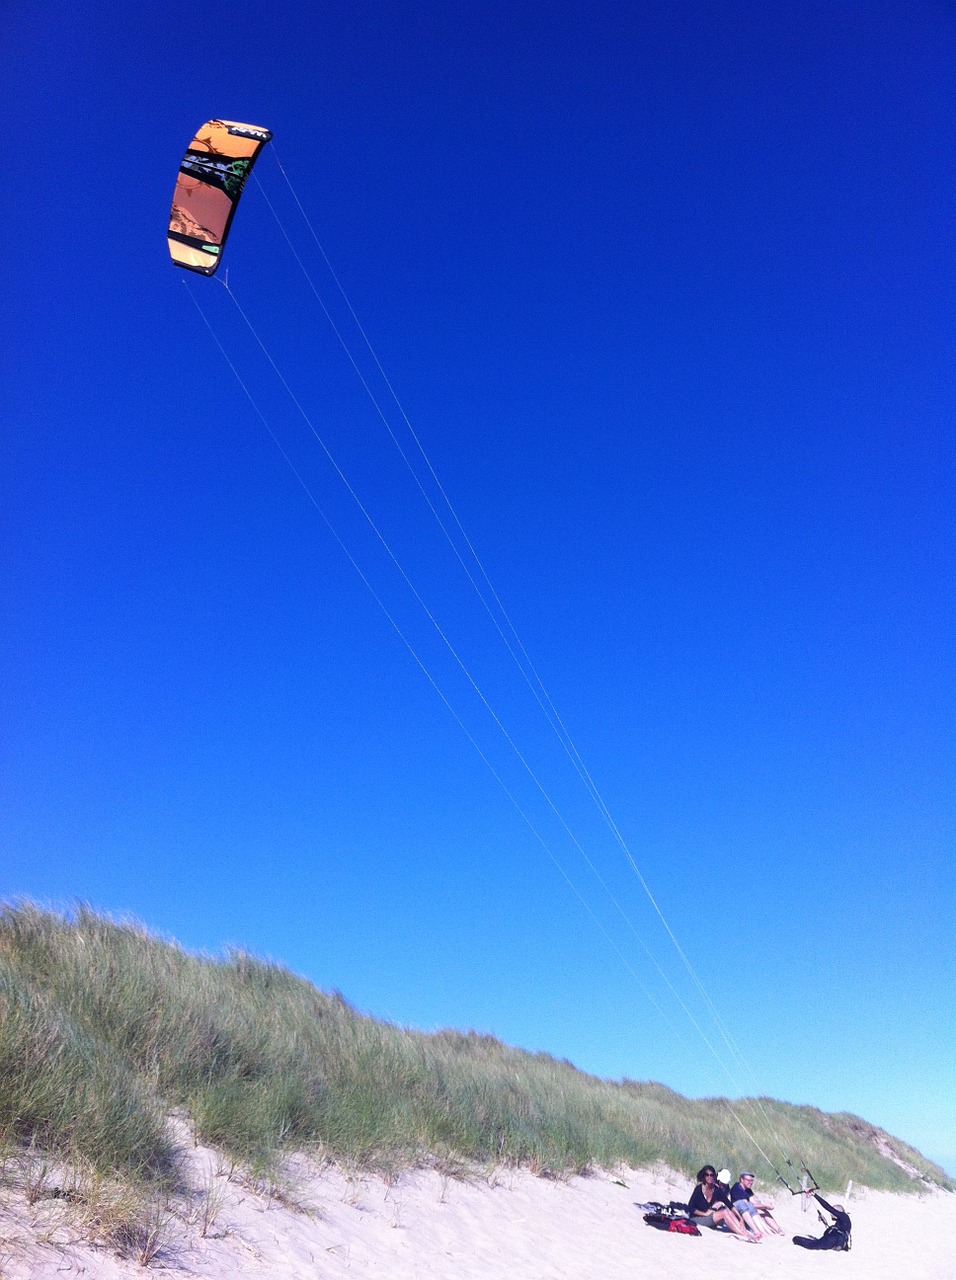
211	177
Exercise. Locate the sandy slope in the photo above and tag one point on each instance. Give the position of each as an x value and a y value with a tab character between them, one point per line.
426	1227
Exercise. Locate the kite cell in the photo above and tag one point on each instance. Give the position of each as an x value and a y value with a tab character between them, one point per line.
211	177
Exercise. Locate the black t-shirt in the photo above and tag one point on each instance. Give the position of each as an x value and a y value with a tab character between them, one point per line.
698	1201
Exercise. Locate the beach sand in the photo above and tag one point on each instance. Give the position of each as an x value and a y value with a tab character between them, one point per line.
506	1223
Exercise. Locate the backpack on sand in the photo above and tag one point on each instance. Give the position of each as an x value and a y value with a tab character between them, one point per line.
668	1222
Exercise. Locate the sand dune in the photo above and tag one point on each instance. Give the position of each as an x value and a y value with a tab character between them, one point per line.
426	1226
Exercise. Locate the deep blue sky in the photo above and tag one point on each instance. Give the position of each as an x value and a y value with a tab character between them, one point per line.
666	291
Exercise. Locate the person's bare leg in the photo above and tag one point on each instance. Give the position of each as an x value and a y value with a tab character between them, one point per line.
750	1222
732	1220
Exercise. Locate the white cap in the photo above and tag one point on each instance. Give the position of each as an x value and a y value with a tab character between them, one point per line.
723	1175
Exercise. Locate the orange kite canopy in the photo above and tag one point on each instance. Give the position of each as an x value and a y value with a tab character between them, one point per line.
211	177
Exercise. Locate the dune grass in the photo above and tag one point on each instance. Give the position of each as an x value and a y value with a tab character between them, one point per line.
106	1028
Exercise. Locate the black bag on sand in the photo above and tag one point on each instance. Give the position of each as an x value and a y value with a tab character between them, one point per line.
669	1222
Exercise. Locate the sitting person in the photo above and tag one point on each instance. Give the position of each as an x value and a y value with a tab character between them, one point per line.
741	1197
707	1206
837	1234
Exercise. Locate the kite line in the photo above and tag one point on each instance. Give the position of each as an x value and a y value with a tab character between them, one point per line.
202	169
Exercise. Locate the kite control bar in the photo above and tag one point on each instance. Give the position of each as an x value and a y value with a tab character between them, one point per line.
800	1191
